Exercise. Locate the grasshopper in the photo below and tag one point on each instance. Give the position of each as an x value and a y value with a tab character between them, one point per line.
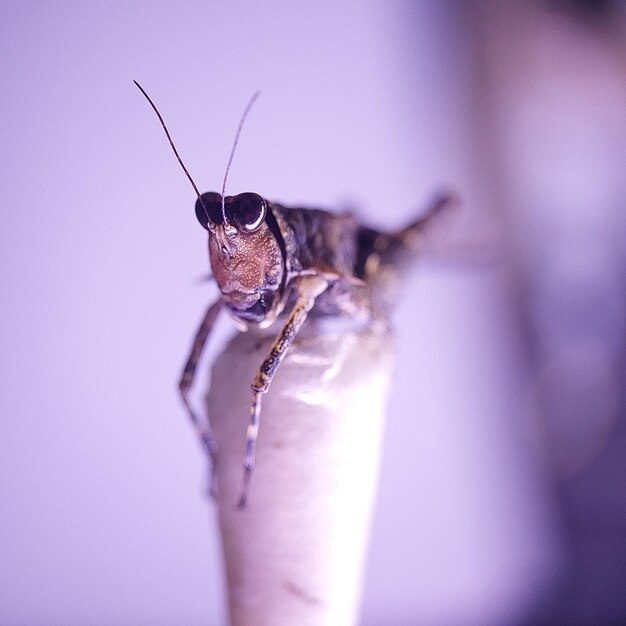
268	259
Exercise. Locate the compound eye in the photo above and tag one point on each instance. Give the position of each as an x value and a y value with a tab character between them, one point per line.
248	211
209	209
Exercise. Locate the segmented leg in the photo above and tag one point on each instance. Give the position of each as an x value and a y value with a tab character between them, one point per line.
186	380
413	235
308	289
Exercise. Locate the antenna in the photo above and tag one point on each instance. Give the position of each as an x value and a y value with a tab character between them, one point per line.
232	150
169	138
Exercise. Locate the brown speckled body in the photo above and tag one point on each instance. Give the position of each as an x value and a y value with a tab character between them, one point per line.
268	259
364	265
242	263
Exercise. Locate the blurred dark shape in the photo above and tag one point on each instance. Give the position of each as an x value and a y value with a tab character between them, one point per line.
552	95
587	10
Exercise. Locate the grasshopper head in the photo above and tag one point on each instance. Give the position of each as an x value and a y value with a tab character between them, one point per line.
245	255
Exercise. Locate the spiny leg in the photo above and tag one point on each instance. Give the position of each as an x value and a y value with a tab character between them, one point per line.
186	380
308	289
383	257
413	233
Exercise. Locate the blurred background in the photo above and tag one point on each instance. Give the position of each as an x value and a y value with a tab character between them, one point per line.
502	489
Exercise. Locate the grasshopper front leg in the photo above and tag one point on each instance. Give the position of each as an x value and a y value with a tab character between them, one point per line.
308	288
186	380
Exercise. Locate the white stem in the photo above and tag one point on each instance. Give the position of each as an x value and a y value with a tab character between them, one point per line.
296	554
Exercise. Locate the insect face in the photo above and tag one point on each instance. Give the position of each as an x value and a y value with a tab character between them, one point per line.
245	254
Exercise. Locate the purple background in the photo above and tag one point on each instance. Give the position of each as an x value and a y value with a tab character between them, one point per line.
509	385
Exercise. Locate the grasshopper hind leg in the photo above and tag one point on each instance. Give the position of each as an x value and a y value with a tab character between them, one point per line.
413	235
383	257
